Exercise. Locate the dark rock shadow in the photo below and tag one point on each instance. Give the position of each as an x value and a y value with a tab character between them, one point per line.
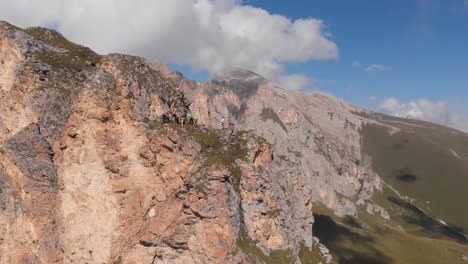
432	227
235	111
347	246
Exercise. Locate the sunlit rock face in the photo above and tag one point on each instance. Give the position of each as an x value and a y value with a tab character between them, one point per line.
90	174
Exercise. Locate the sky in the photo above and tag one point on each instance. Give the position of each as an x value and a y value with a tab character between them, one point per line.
401	57
404	57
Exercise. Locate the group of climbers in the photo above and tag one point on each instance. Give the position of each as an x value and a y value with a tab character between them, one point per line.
185	118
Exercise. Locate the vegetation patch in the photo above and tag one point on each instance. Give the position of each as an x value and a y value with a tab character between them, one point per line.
74	57
256	255
218	148
310	256
156	125
274	213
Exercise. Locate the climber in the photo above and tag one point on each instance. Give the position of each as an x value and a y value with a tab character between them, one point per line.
183	118
195	120
175	118
189	118
166	118
222	122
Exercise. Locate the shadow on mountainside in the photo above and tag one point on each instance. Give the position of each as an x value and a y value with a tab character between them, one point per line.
347	246
243	83
406	176
432	227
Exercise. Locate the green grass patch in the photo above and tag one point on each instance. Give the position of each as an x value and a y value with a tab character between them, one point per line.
310	256
156	125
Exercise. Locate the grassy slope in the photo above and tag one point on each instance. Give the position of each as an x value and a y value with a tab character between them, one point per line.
428	163
418	161
372	239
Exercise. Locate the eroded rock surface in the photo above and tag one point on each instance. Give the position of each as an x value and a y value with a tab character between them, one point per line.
89	174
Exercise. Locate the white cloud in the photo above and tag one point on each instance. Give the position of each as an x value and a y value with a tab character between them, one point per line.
377	68
437	112
372	67
296	81
213	35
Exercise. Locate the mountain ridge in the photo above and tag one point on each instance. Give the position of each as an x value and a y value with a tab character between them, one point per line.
88	163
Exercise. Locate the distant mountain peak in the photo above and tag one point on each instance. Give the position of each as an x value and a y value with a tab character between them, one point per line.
238	73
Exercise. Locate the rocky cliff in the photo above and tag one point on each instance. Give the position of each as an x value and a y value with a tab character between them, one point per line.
90	174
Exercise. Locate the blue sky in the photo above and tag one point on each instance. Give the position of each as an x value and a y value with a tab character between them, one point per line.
422	43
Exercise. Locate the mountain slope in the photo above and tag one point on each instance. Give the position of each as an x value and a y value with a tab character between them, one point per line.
418	158
89	173
347	157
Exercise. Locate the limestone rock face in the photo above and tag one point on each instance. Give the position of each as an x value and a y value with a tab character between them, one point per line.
89	174
315	136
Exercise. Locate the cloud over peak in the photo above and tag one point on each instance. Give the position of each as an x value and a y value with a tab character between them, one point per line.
433	111
296	81
213	35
